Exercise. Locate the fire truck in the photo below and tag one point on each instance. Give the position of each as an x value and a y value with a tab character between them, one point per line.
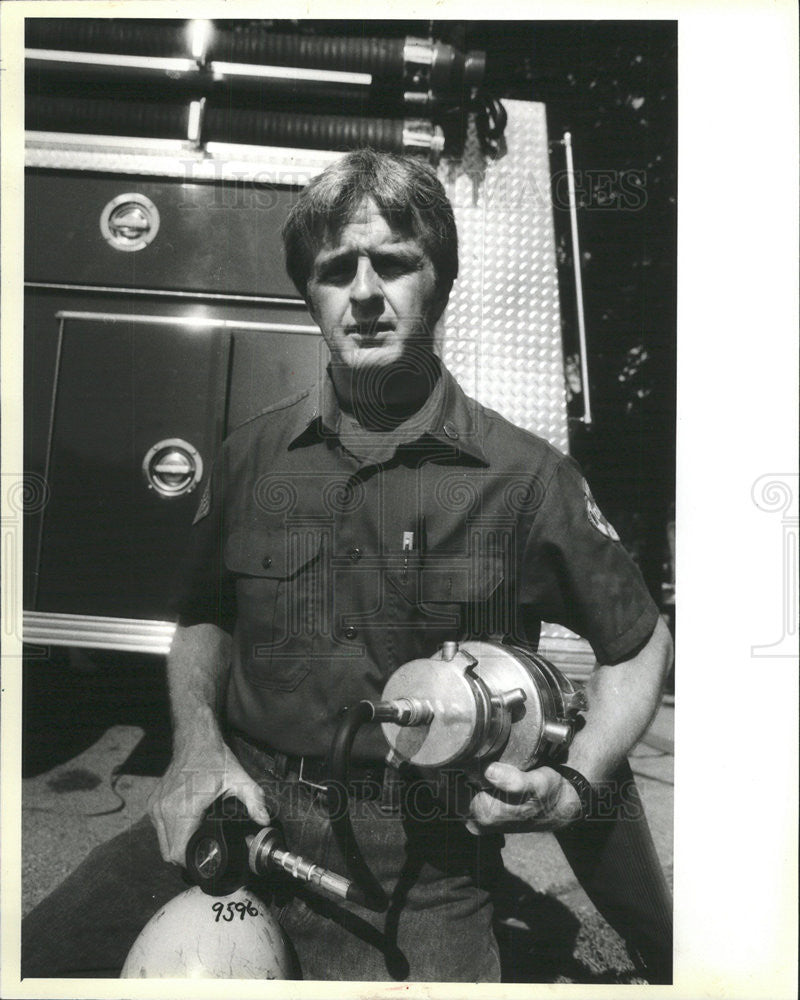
161	159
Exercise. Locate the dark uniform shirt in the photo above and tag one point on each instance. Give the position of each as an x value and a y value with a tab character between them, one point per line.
335	555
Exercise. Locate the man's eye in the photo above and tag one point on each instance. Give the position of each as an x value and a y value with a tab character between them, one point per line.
336	273
392	268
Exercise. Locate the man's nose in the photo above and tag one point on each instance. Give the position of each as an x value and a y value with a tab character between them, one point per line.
365	291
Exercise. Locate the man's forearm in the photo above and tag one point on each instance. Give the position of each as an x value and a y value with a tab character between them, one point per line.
623	699
202	766
197	670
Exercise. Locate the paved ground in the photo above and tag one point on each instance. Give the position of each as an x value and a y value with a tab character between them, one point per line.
81	726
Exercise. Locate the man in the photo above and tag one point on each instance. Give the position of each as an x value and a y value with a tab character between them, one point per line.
351	528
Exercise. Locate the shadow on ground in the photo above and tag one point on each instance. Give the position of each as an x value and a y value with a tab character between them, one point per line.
70	698
543	941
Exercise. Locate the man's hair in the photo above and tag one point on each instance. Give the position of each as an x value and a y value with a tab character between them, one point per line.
407	193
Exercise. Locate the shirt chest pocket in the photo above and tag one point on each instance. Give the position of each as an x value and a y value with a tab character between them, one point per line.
459	594
278	577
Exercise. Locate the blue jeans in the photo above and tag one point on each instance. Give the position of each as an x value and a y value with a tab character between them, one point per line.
438	926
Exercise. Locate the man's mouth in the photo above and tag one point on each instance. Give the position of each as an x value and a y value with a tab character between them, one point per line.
368	333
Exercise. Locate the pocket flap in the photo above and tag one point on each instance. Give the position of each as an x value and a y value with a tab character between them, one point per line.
467	581
279	553
452	579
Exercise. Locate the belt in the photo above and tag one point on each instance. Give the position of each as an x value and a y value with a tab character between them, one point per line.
364	779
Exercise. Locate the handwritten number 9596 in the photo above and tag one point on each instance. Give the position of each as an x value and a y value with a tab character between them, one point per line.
228	911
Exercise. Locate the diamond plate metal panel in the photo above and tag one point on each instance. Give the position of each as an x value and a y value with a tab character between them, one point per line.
502	337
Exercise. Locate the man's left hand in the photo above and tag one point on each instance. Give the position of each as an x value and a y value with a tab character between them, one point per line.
524	801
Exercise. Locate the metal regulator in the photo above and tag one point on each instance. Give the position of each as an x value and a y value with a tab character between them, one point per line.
468	705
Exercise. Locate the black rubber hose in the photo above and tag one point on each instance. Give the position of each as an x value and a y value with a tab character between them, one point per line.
381	57
117	35
106	117
337	801
303	131
169	121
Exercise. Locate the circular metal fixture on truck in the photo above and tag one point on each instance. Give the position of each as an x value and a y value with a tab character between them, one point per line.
172	467
129	222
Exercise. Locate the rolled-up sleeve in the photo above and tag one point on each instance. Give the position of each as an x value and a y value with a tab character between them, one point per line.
203	591
576	572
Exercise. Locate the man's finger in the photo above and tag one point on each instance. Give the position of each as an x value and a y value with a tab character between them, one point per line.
509	779
547	786
154	807
488	810
542	783
181	817
253	797
181	833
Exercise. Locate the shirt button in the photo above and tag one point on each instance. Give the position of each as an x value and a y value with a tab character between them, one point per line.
266	562
355	554
450	430
350	632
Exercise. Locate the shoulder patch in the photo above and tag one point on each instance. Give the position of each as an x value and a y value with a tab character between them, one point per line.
204	506
596	517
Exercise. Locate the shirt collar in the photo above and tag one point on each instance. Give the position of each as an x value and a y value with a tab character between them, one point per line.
457	425
452	423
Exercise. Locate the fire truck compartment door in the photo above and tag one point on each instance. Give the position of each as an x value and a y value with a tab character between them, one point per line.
138	414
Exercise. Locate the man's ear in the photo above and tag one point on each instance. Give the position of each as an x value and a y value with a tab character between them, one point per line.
438	307
309	305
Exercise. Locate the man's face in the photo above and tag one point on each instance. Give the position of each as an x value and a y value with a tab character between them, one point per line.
373	293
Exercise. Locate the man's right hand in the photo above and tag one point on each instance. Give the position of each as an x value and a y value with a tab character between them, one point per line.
203	768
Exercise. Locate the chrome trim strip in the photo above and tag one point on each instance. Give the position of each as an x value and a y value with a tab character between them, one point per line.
190	67
205	322
264	164
572	655
51	426
194	128
576	267
200	30
421	135
148	63
267	300
291	73
125	634
175	158
418	51
109	142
